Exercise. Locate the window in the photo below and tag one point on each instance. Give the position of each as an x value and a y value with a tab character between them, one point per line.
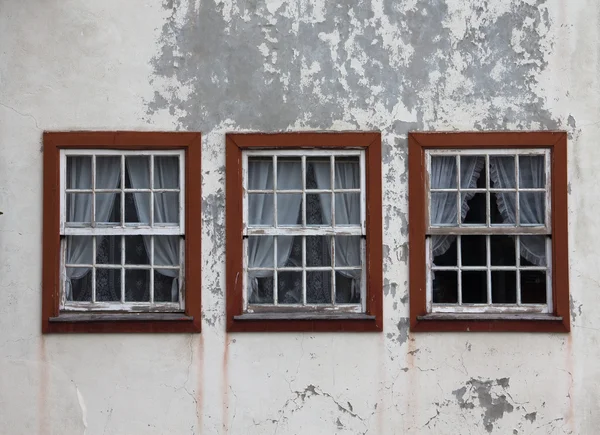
488	231
304	231
116	243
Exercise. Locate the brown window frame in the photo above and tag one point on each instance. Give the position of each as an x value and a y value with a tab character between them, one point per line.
420	320
53	321
372	319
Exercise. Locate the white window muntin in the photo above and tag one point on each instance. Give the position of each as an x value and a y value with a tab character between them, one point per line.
305	230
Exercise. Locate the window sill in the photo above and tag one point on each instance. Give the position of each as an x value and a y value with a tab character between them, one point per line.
303	322
455	322
122	322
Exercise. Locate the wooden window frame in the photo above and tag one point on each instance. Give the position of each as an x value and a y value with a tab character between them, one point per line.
237	320
420	319
55	321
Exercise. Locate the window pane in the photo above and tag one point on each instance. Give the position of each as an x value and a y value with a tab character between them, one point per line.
108	172
473	251
79	172
260	209
79	207
533	287
108	208
443	172
137	285
318	173
108	285
504	287
137	208
502	208
260	251
137	170
260	289
79	250
347	209
318	251
166	208
472	172
79	284
502	172
503	250
347	287
289	287
108	250
166	172
318	209
533	250
289	173
473	209
445	287
444	250
289	209
166	250
532	172
532	208
347	173
260	173
318	287
135	250
289	251
474	287
443	208
166	285
347	251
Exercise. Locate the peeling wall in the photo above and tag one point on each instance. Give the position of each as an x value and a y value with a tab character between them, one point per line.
219	66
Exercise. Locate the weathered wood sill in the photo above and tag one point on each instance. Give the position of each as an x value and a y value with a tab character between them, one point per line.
489	317
120	317
303	316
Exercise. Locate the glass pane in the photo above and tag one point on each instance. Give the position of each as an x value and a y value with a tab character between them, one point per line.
166	172
108	172
532	172
289	287
289	173
166	285
318	251
347	251
260	173
473	209
532	206
502	172
502	208
79	172
166	250
318	209
137	208
108	285
260	289
445	287
472	172
137	285
79	287
289	251
289	209
135	250
108	208
443	208
137	172
347	208
444	250
474	287
166	208
79	207
503	250
260	251
108	250
473	250
318	173
533	287
533	250
318	287
79	250
443	172
347	286
504	287
260	209
347	172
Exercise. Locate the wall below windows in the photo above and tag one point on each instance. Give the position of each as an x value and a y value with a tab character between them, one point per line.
220	66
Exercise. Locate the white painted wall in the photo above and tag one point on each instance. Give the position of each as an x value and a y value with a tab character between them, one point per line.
88	65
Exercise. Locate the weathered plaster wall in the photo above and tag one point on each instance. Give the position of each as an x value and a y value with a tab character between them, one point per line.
271	65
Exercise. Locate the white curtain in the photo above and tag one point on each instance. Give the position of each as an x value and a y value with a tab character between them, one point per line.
532	210
260	210
80	248
443	205
166	210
